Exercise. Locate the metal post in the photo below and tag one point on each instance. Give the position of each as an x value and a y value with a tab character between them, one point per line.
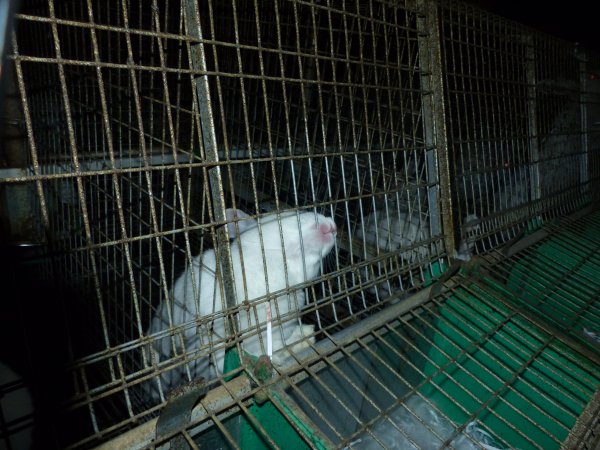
211	154
434	122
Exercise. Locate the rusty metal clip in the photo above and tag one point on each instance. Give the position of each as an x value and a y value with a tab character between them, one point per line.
178	412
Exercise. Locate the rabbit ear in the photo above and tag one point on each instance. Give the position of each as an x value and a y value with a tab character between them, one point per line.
233	215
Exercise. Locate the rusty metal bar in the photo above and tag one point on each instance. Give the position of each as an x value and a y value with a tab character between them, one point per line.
211	154
434	120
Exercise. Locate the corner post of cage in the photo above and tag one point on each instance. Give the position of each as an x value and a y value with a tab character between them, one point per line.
532	119
434	121
215	179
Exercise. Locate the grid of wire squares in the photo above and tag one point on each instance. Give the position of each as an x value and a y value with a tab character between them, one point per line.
503	354
425	131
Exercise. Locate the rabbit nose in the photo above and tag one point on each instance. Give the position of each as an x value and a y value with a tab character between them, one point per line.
326	228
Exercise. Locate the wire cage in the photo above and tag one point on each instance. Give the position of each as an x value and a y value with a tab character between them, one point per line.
515	143
175	149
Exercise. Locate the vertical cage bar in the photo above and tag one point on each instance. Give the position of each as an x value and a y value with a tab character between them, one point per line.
434	122
30	136
211	154
532	120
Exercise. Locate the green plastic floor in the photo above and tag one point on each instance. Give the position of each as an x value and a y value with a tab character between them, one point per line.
518	342
559	280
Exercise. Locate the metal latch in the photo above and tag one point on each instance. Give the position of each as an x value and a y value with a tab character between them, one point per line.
177	413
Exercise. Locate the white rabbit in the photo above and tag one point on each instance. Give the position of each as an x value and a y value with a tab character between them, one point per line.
307	238
234	215
399	230
395	230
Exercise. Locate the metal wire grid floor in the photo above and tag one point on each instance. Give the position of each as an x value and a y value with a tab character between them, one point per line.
499	363
556	280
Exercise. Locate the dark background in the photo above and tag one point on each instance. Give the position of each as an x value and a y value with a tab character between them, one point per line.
573	20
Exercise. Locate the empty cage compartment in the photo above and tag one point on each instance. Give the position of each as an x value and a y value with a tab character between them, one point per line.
554	277
314	220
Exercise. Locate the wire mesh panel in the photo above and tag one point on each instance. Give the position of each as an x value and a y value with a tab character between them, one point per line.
495	357
150	125
514	124
564	262
486	75
465	371
227	189
467	366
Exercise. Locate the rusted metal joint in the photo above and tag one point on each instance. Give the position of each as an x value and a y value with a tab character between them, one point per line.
261	369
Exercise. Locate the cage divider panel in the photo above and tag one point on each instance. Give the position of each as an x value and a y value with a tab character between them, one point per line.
586	101
532	123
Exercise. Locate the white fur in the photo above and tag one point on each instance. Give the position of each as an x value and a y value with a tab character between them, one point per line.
196	294
395	230
244	222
